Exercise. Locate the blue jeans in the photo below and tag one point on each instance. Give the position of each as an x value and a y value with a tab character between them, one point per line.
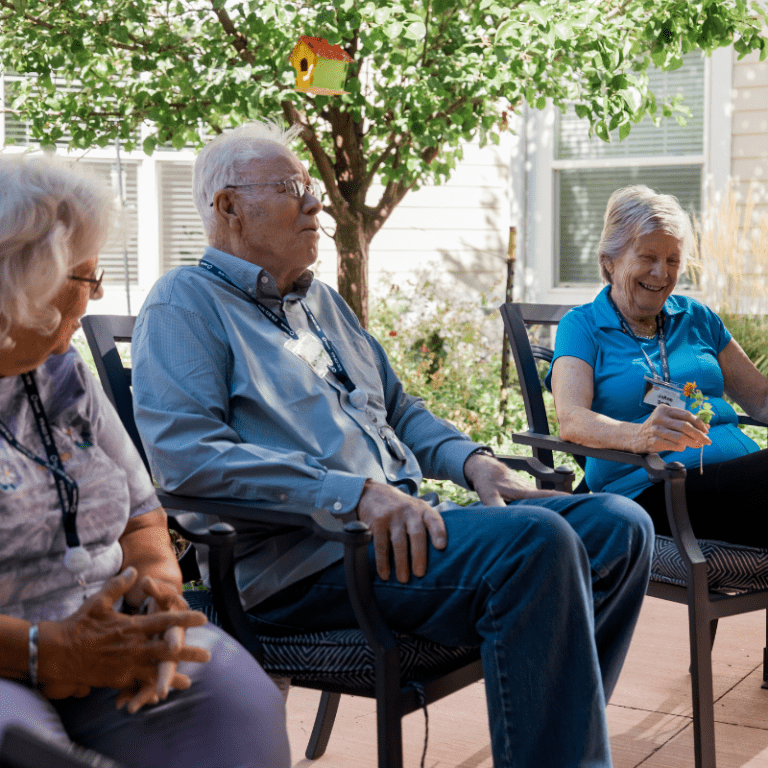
550	589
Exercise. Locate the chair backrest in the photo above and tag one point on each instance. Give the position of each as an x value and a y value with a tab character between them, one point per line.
103	332
517	316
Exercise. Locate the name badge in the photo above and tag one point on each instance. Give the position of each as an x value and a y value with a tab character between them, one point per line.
310	349
658	392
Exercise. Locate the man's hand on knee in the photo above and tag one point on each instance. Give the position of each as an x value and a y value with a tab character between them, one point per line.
496	484
396	517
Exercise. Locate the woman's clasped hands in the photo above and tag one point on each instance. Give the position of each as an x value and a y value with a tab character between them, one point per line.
671	429
99	647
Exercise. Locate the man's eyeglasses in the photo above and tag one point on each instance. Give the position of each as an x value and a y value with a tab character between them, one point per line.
295	188
95	281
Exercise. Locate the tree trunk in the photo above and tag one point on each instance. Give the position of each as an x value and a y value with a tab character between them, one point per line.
352	243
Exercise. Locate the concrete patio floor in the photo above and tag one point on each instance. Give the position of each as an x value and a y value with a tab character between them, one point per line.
649	715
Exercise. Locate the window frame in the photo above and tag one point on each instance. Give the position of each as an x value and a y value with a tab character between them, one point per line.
538	262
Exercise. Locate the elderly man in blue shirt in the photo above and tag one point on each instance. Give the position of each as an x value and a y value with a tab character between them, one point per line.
252	380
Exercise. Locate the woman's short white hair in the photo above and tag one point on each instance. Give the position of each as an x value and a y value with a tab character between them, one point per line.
224	161
636	211
52	217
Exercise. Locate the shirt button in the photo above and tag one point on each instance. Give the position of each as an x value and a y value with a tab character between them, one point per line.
368	427
337	506
264	279
283	497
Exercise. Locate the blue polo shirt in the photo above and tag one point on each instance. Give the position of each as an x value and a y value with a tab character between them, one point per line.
695	336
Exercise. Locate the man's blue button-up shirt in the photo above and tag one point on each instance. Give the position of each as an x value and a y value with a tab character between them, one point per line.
225	410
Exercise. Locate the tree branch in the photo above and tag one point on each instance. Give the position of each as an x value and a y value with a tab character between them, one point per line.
322	161
239	40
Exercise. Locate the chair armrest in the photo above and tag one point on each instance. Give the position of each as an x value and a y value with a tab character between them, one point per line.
561	477
744	419
673	475
319	521
656	467
183	514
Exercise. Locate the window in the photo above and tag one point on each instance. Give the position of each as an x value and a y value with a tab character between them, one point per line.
182	237
669	159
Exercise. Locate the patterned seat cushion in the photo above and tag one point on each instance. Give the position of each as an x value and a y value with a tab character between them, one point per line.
341	657
730	567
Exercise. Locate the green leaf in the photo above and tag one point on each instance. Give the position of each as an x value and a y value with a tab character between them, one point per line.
417	30
632	98
582	111
504	29
564	30
538	12
624	130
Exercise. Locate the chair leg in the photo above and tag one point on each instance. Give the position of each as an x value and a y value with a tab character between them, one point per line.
713	632
765	654
702	691
321	732
389	727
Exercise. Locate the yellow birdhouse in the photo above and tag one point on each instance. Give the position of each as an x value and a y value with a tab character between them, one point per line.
320	67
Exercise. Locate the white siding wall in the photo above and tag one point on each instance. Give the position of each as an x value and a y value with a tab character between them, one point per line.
749	128
455	234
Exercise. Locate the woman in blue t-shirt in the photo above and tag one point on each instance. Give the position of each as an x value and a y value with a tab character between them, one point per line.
621	367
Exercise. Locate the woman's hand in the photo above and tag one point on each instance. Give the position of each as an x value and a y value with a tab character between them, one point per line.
671	429
163	597
98	647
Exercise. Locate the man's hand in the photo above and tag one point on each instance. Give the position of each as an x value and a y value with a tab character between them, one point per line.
496	484
394	516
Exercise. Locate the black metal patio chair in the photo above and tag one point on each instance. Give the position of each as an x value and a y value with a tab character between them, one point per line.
403	673
712	578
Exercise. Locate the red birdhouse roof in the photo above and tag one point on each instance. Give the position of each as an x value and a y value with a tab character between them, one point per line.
324	49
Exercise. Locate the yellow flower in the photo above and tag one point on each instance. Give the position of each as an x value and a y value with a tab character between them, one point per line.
689	390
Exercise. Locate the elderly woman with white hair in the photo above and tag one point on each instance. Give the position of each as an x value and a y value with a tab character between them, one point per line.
83	541
632	368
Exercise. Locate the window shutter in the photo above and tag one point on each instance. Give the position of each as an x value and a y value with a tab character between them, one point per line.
183	239
111	256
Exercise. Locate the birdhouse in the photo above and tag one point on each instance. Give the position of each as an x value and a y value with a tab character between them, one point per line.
320	67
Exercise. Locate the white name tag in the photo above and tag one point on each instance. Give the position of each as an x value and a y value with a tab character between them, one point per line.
310	349
658	392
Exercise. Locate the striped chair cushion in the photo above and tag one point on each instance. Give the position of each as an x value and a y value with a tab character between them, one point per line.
730	567
341	657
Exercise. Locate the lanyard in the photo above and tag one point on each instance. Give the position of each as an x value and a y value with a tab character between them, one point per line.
76	558
358	398
662	340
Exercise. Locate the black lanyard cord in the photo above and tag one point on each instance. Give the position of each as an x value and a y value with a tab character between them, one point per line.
66	486
337	367
662	340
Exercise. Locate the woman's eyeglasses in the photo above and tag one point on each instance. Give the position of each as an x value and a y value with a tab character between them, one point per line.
95	280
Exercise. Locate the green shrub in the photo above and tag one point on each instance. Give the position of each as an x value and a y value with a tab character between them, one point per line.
442	351
751	332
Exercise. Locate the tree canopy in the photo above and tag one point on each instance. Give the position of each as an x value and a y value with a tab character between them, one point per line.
426	76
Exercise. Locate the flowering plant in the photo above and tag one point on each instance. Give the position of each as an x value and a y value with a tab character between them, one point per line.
702	408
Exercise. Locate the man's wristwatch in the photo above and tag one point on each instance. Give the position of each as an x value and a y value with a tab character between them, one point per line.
484	451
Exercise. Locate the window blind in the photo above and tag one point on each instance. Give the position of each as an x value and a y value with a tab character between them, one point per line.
182	237
582	196
645	139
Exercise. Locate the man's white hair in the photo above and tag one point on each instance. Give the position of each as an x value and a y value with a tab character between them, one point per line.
52	217
224	160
